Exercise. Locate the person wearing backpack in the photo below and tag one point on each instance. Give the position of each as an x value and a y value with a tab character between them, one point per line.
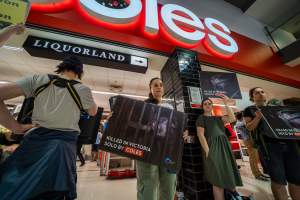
281	156
44	165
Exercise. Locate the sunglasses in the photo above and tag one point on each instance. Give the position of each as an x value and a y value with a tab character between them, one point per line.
207	104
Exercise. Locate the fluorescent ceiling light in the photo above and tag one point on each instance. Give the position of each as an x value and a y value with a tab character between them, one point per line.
112	93
12	48
104	93
222	105
129	95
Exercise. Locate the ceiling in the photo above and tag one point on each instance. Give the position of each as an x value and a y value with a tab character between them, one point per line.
293	25
282	20
274	13
242	4
16	63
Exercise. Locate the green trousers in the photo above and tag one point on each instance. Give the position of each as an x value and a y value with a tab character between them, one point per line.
154	182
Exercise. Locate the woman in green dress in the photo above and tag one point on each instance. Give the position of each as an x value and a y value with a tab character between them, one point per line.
219	163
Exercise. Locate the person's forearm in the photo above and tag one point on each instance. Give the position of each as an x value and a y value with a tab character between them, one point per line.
5	118
5	35
8	136
203	143
252	124
231	116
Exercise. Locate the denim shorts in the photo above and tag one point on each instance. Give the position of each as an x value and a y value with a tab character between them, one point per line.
283	163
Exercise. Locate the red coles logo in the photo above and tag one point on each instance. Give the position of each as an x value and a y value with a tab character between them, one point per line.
175	23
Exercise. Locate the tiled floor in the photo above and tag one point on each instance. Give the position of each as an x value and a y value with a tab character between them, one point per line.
91	186
261	190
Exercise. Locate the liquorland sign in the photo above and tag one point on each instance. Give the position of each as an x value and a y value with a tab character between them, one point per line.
177	24
54	49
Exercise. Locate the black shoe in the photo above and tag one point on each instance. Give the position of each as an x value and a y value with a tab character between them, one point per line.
82	164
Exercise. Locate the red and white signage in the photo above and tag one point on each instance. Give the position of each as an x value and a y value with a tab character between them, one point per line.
177	24
149	25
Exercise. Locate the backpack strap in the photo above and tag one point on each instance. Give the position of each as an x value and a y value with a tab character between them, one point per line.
69	84
75	96
52	78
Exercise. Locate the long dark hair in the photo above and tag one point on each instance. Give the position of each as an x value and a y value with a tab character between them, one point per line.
151	98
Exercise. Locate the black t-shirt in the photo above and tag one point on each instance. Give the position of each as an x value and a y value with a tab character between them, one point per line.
250	112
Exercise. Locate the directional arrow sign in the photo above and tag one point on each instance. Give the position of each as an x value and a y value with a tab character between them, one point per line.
140	61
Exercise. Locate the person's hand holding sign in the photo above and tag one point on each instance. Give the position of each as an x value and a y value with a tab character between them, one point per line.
17	28
223	97
258	114
109	115
186	136
7	32
230	118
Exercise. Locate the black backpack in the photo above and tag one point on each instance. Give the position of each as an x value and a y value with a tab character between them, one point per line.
88	124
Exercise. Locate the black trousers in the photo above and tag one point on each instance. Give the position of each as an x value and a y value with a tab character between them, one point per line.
79	154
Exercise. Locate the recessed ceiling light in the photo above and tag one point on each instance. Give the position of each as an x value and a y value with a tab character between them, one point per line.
104	93
113	93
222	105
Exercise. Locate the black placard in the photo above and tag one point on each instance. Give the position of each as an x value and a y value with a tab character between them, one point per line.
220	82
145	132
282	122
47	48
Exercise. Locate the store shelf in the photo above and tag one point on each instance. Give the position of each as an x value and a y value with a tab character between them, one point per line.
243	148
118	157
109	157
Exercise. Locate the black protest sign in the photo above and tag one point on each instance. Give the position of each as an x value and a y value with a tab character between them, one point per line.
282	122
145	132
219	82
